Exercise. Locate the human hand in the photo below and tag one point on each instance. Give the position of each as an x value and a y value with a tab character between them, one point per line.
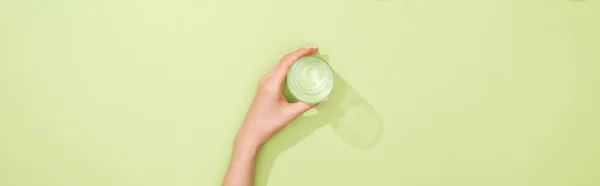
270	112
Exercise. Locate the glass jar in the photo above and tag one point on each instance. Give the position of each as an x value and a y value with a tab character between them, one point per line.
309	80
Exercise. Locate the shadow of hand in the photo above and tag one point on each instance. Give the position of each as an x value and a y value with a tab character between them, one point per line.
357	123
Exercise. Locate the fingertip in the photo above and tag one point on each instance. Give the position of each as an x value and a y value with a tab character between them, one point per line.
315	49
301	106
312	49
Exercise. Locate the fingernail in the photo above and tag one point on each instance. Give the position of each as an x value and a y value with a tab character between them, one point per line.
325	100
311	46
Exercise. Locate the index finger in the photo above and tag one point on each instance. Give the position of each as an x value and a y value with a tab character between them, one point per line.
281	70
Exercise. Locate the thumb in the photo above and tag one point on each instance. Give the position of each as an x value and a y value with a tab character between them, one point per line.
301	107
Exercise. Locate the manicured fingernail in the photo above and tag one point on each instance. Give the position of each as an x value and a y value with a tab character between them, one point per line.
325	100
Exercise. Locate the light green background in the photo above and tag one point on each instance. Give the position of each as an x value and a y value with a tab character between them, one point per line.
148	92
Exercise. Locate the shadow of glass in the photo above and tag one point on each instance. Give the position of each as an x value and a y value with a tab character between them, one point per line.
349	114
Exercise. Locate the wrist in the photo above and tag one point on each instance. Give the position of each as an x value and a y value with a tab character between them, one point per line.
245	141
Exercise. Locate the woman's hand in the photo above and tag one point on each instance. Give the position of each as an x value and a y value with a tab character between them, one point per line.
270	111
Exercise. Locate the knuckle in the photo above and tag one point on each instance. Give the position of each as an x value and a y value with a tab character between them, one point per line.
268	87
262	80
265	84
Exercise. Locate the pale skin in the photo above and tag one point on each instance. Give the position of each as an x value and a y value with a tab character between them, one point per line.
269	113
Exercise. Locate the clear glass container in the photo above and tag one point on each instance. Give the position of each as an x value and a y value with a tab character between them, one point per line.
309	80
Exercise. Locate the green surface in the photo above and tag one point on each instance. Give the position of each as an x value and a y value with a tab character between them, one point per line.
465	92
